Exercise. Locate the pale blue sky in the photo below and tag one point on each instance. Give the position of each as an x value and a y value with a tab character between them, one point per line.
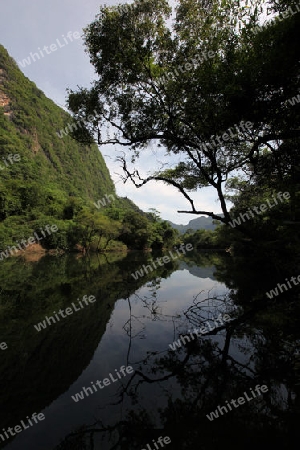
27	25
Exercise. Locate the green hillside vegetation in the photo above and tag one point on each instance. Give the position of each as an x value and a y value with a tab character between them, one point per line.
58	181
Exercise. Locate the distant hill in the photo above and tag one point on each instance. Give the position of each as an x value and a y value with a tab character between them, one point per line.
202	222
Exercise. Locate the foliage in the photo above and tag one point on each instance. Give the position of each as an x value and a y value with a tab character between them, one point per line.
57	181
197	81
208	239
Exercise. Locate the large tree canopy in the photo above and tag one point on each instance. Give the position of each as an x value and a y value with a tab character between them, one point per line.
204	83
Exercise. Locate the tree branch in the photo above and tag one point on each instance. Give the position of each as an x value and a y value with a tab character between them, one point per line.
210	214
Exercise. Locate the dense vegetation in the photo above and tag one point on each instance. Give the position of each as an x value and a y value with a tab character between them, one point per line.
218	88
59	181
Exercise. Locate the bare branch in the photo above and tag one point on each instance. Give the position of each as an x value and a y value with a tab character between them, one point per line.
155	178
210	214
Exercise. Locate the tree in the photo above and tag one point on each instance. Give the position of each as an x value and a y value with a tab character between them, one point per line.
92	227
210	91
107	229
136	232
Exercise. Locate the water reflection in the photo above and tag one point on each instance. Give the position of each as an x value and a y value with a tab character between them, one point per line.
132	323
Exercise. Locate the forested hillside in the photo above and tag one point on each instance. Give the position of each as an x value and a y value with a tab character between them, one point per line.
48	178
29	126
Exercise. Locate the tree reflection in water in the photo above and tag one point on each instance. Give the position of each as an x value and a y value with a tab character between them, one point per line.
207	372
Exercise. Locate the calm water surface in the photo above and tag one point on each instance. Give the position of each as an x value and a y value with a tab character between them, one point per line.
132	323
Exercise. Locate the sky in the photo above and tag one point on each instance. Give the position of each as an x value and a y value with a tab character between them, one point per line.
29	25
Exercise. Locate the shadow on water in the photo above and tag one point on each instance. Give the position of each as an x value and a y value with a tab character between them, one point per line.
133	322
41	365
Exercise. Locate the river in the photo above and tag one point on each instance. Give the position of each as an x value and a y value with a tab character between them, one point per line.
153	391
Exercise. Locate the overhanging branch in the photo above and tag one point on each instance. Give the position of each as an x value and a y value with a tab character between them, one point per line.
142	182
210	214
